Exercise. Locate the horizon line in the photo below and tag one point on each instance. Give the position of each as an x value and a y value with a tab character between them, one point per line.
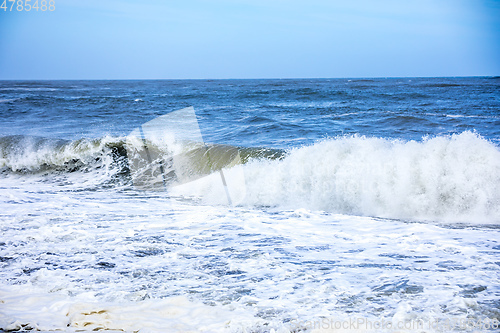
270	78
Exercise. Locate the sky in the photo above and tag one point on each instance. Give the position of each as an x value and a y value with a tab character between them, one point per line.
223	39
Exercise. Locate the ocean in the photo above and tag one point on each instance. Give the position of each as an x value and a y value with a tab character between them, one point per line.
355	205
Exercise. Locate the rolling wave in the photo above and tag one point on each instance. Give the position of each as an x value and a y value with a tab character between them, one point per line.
28	154
446	178
33	155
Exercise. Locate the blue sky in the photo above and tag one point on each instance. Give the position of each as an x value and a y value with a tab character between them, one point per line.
153	39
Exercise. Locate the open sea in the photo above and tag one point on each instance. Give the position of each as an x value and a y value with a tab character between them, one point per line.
362	205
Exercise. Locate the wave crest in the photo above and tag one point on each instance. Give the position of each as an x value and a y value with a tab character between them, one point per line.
451	178
27	154
447	178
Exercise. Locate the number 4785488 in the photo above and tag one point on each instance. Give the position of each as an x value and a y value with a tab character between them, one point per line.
28	5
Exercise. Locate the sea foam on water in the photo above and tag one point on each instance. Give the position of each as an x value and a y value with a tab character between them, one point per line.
451	178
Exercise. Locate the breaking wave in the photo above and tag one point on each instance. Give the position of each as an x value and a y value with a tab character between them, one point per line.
445	178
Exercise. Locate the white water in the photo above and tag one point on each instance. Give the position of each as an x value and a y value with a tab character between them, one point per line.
79	256
452	179
24	153
445	179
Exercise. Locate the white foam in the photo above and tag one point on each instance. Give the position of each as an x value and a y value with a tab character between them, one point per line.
29	308
8	100
126	260
448	178
120	261
455	178
32	153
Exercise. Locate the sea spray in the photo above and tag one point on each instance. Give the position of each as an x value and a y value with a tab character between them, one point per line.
453	178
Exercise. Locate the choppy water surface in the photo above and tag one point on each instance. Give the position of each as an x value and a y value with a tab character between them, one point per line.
369	205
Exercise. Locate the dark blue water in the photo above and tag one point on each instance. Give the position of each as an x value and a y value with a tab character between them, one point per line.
272	113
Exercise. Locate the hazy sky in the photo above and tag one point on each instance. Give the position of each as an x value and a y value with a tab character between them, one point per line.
153	39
